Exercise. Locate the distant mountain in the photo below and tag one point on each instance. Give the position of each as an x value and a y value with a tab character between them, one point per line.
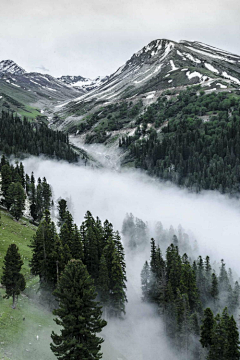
19	90
9	66
165	64
161	65
82	83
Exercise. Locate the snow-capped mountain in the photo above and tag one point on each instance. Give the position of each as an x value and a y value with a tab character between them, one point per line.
82	83
9	66
165	64
34	87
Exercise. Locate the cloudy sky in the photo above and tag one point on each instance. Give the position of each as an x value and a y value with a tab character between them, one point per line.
95	37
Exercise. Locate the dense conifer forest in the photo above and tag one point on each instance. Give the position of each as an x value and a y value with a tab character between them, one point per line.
182	289
191	139
20	136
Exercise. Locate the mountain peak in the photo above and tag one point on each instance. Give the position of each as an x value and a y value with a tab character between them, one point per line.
9	66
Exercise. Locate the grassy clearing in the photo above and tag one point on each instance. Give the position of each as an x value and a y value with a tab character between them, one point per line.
29	112
19	233
25	332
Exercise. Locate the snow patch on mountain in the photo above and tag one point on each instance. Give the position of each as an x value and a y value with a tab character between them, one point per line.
173	66
227	76
211	68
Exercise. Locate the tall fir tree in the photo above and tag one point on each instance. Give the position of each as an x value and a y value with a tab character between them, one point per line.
79	315
47	253
12	279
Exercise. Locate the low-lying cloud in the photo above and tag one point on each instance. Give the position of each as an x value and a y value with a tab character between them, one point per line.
212	217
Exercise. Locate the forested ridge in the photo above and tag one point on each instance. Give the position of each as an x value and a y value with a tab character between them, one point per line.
195	302
19	136
91	257
192	139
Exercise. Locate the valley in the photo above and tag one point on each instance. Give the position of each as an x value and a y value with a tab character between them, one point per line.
154	148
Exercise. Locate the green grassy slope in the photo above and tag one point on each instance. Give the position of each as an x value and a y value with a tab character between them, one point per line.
22	339
25	333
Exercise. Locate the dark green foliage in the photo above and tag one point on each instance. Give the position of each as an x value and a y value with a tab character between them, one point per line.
15	200
214	288
224	343
103	281
207	328
180	288
199	153
12	279
16	186
62	208
6	174
17	136
47	257
99	247
79	315
109	118
232	351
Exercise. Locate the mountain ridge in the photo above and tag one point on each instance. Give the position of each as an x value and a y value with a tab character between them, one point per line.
160	65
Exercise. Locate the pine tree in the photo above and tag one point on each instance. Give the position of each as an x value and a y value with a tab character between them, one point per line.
103	282
6	179
12	279
62	208
214	288
47	252
117	295
15	200
207	328
79	315
232	351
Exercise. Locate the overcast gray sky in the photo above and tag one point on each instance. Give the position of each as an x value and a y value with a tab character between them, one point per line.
95	37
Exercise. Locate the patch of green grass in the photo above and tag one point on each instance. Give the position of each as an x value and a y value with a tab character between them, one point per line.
29	112
25	331
17	232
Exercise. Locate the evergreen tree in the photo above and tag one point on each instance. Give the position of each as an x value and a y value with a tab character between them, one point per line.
117	294
207	328
47	253
6	179
103	282
15	200
62	208
79	315
12	279
214	287
232	351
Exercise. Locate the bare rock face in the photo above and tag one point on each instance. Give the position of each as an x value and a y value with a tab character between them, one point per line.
9	66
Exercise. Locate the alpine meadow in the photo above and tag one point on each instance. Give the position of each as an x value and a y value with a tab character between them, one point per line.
119	180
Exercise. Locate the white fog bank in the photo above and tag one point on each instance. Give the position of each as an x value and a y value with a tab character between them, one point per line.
212	218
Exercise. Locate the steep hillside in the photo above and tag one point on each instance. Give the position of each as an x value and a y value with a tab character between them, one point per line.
9	66
28	93
161	65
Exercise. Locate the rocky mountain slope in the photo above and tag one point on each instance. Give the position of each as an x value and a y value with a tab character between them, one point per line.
159	66
82	83
28	93
9	66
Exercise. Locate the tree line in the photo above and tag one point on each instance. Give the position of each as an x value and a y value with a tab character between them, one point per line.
97	245
181	289
19	136
17	187
198	145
